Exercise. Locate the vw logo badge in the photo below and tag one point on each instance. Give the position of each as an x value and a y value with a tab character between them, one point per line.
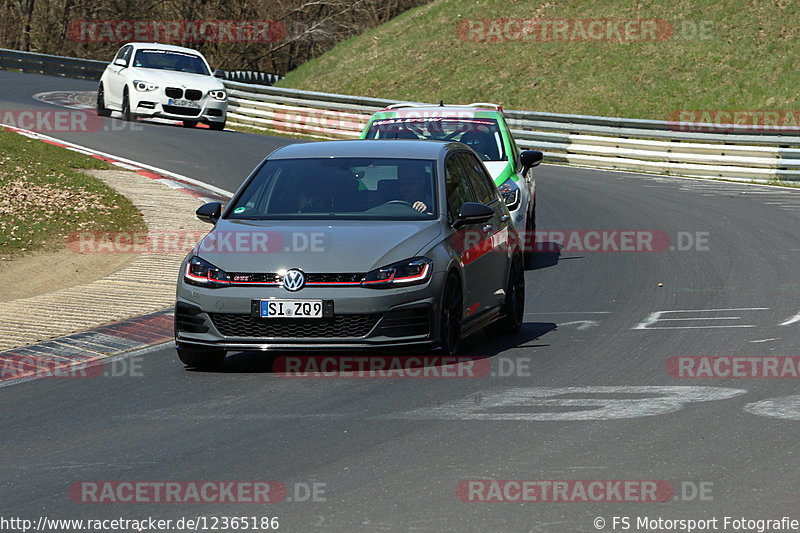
294	280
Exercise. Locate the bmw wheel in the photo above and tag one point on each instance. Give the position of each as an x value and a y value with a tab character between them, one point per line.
451	315
189	123
126	107
102	110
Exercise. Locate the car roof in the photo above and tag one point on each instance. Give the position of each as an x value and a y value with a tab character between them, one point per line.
162	46
391	148
438	110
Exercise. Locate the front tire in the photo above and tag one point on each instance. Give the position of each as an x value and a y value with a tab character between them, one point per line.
451	315
217	126
102	110
201	359
514	304
127	116
189	123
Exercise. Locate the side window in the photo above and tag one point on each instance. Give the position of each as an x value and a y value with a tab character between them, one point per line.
458	187
120	53
126	55
481	183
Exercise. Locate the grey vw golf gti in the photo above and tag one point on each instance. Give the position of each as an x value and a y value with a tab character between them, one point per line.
352	244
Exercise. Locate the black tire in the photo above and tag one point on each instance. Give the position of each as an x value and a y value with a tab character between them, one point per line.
529	239
451	315
126	107
189	123
102	110
514	305
202	359
217	126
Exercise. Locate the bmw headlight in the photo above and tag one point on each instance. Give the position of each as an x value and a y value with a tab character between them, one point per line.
409	272
218	95
144	86
201	272
509	191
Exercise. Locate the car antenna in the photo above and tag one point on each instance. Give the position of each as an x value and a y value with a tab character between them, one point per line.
441	103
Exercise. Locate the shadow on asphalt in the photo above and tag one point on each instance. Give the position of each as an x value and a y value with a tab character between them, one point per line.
547	255
478	346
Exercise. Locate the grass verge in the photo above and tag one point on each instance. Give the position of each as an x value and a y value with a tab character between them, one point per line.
44	197
732	55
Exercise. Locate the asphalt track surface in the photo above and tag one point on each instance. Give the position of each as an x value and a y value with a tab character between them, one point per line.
391	452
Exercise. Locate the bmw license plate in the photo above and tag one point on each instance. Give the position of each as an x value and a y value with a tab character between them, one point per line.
291	309
184	103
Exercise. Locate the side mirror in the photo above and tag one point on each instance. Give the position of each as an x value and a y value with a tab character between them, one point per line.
120	62
209	212
219	73
473	213
529	159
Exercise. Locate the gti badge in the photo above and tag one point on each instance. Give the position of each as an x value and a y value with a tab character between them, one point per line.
294	280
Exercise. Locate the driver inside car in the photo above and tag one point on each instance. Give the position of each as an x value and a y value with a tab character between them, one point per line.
414	188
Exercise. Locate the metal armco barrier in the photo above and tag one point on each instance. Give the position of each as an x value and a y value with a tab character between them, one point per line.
66	67
681	149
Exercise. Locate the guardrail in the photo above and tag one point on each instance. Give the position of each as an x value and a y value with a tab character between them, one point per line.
599	142
66	67
662	147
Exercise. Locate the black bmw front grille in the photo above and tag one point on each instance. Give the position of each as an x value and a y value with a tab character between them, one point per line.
174	92
193	94
341	326
185	111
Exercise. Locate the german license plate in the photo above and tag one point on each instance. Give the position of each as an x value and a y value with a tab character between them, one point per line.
291	309
184	103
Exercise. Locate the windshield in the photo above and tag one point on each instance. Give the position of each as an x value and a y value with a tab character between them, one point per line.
347	188
481	134
168	60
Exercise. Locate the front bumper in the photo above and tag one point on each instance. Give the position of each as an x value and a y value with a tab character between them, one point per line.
362	318
154	105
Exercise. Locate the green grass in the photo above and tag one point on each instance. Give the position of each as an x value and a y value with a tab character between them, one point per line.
44	197
751	61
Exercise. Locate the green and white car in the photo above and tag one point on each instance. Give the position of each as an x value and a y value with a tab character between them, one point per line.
482	127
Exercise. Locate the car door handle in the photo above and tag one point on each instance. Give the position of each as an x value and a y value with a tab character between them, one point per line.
505	218
488	227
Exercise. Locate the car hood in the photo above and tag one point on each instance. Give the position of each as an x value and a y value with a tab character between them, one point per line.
339	246
171	78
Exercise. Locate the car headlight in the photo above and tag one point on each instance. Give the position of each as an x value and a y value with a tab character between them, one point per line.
144	86
509	191
409	272
218	95
203	273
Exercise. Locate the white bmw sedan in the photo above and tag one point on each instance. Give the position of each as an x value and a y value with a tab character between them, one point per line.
160	80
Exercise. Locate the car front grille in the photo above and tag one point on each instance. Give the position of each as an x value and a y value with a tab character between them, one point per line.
341	326
174	92
193	94
311	279
184	111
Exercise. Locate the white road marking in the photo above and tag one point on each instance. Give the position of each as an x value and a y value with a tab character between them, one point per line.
785	408
795	318
658	317
582	324
549	404
766	340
